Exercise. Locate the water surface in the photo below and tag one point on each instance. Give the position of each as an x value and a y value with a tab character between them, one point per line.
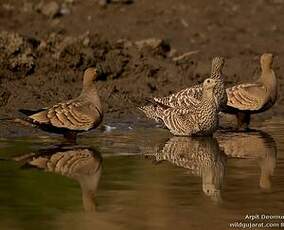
141	178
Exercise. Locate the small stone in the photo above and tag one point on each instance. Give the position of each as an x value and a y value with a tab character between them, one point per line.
102	2
151	42
124	42
64	10
172	53
51	9
86	41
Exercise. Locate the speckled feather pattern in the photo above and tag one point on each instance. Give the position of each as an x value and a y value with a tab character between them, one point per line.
199	120
189	96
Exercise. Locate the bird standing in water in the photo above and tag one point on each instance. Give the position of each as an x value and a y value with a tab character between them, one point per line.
249	98
74	116
201	119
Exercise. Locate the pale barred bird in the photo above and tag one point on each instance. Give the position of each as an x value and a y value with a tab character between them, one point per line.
199	120
71	117
257	146
250	98
81	164
201	156
190	96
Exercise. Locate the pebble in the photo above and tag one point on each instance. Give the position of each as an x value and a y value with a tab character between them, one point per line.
51	9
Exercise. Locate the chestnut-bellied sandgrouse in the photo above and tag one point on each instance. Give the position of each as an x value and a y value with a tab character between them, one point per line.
185	97
249	98
71	117
201	119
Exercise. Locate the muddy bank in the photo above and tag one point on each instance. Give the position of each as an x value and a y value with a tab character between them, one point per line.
40	71
45	51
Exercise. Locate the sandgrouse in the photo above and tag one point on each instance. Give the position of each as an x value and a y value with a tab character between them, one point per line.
71	117
188	97
202	119
250	98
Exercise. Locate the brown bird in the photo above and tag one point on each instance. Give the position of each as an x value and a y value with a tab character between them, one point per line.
201	119
250	98
71	117
188	97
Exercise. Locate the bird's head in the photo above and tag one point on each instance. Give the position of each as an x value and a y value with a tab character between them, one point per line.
266	60
209	83
90	75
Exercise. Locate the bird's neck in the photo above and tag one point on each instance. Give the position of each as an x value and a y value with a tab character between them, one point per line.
91	94
208	95
217	75
209	99
267	77
89	90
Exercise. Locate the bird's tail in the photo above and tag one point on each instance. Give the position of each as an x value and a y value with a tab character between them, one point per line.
151	111
7	119
25	122
29	112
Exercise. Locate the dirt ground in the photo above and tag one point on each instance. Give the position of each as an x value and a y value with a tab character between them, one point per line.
46	45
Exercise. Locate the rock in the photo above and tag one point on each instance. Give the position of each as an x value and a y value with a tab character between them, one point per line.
50	9
124	43
65	9
158	46
103	2
151	42
173	53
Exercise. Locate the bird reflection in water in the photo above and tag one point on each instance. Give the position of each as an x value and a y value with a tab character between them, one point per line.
257	145
201	156
79	163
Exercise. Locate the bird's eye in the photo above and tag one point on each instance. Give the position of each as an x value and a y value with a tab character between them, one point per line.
208	81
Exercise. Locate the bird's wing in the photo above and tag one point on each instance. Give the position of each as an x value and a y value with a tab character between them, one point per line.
184	98
181	120
73	115
247	96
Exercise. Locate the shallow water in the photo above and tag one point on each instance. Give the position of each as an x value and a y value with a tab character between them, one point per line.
142	179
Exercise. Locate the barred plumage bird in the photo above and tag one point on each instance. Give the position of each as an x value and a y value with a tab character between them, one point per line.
201	156
78	163
201	119
250	98
188	97
77	115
